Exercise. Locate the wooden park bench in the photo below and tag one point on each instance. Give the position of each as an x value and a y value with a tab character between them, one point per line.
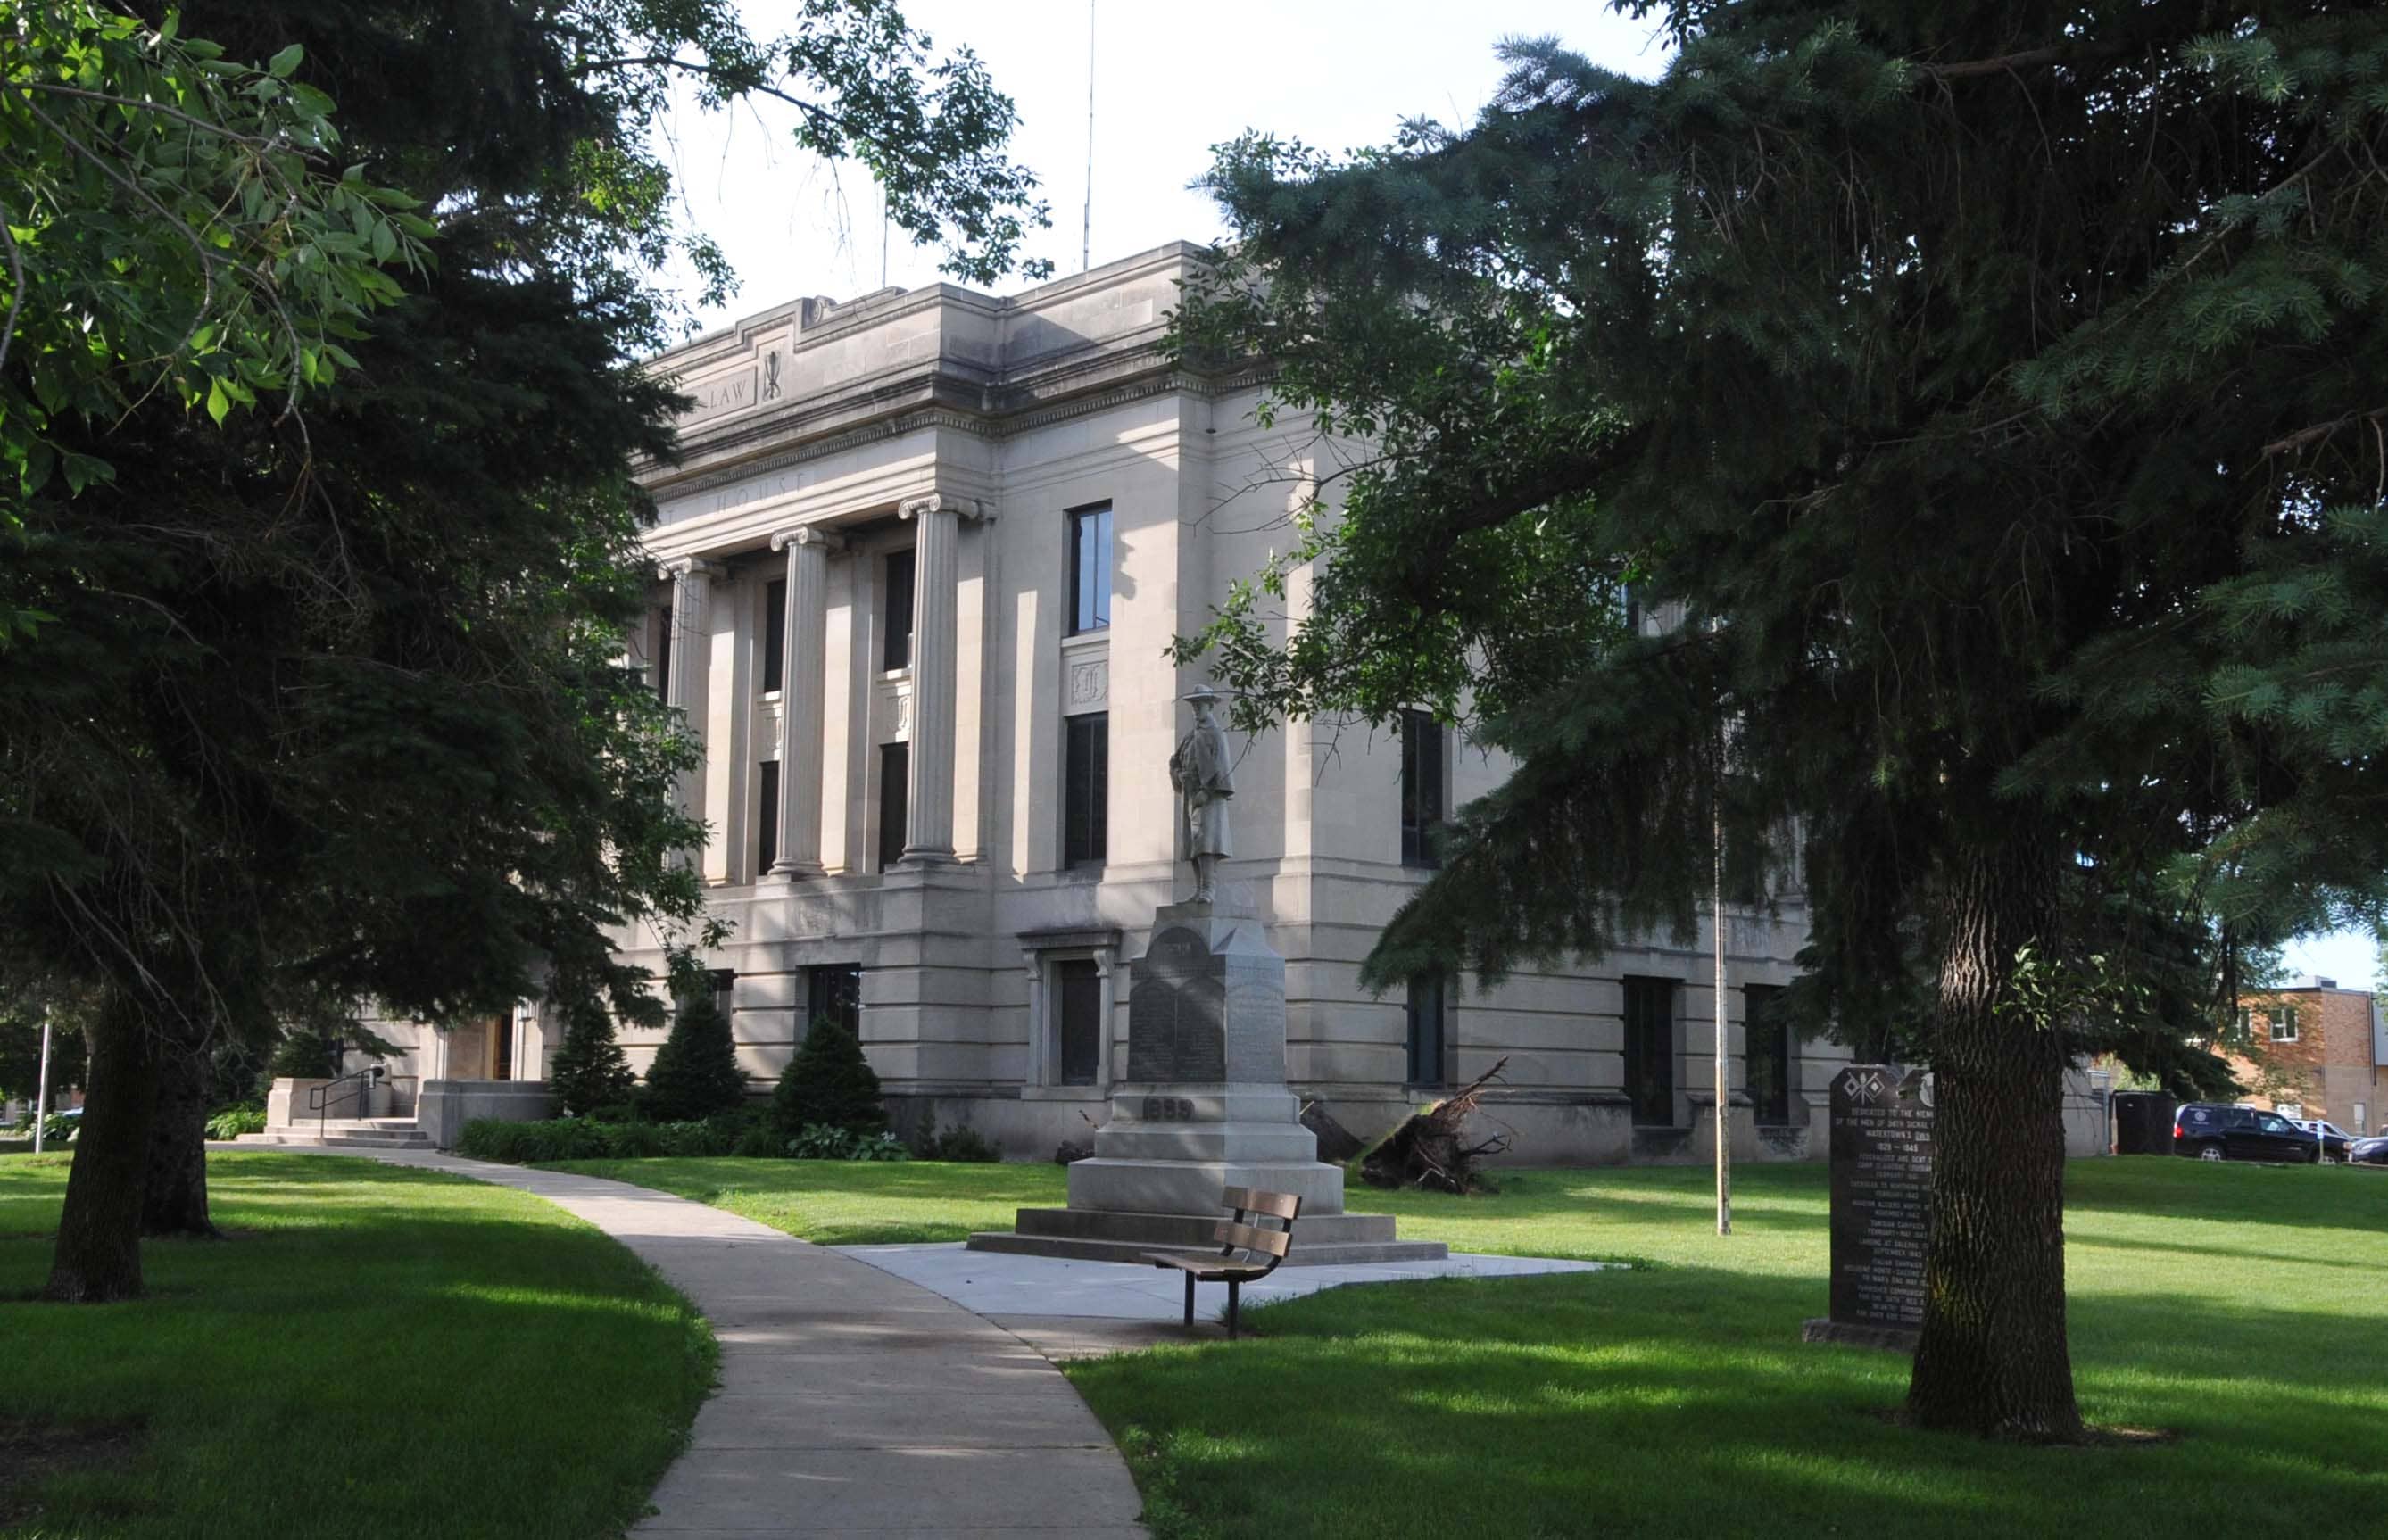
1262	1248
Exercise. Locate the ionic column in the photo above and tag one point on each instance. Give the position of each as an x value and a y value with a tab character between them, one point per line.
691	650
804	689
929	831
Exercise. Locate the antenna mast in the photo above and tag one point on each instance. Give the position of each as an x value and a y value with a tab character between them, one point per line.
1086	230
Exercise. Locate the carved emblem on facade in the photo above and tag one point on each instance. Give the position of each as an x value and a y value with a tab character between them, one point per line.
771	376
1091	682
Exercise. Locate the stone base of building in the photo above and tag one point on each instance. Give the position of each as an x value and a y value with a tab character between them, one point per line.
1090	1235
1893	1339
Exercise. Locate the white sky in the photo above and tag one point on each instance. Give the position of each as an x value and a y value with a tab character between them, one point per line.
1168	83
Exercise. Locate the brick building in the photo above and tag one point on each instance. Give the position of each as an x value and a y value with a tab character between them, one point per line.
2314	1049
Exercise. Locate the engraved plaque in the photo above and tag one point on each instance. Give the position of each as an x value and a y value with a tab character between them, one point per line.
1176	1012
1881	1183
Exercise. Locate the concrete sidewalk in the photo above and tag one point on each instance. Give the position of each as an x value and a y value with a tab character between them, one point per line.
852	1402
1010	1285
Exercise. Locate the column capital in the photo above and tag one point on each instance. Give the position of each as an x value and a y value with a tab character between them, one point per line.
941	502
808	535
685	566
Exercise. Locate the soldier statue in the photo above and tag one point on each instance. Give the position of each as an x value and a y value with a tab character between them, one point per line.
1205	781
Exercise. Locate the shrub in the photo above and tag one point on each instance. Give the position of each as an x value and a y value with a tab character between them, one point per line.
590	1069
821	1142
695	1073
521	1144
743	1133
959	1143
830	1084
233	1121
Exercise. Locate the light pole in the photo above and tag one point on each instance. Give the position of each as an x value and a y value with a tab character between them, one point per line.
42	1091
1723	1073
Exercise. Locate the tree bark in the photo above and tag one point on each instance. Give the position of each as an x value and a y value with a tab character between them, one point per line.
1993	1358
175	1191
98	1255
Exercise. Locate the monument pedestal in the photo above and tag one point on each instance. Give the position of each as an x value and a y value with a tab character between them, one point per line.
1205	1108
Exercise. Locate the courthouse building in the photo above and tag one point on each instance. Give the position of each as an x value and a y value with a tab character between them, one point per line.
918	574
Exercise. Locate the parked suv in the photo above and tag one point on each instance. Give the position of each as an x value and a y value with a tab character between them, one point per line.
2215	1130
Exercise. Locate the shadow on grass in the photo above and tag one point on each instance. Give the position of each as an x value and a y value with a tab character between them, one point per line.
1682	1402
379	1323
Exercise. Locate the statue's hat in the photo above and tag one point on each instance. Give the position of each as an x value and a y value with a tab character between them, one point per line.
1204	693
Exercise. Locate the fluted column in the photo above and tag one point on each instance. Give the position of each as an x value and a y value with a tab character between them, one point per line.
692	650
929	831
804	689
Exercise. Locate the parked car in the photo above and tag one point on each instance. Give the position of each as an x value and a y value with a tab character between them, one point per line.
2217	1130
2334	1140
2369	1152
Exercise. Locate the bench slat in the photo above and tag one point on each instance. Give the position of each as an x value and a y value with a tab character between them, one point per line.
1252	1200
1270	1242
1209	1269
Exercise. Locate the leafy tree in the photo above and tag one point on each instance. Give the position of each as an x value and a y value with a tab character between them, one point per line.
334	703
1940	442
695	1073
828	1083
589	1069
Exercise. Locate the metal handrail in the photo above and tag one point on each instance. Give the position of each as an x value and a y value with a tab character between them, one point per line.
320	1098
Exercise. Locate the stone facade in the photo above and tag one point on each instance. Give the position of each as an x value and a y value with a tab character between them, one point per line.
2314	1051
975	825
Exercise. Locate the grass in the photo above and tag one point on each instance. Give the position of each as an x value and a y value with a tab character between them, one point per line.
377	1352
2243	1309
849	1203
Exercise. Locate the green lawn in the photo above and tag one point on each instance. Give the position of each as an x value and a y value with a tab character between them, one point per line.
2244	1309
849	1203
377	1352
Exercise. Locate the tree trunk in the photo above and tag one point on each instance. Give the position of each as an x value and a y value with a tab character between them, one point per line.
1993	1358
174	1194
98	1256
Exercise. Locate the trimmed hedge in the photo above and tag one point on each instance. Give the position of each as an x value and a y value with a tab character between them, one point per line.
745	1132
586	1139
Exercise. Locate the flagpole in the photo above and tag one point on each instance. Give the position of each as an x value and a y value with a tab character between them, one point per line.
42	1092
1724	1071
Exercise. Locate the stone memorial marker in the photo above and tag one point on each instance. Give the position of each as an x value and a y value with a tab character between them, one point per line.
1204	1105
1881	1186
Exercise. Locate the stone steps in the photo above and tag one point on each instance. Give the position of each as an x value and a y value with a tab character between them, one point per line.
343	1133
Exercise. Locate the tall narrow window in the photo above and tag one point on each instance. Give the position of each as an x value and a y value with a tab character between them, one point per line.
1430	1037
1085	789
1090	568
775	632
1422	787
832	992
662	655
1079	983
2284	1024
1650	1051
1768	1032
766	818
895	802
898	653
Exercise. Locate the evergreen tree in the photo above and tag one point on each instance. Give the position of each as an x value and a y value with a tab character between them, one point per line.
1942	443
334	700
589	1069
831	1083
695	1073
